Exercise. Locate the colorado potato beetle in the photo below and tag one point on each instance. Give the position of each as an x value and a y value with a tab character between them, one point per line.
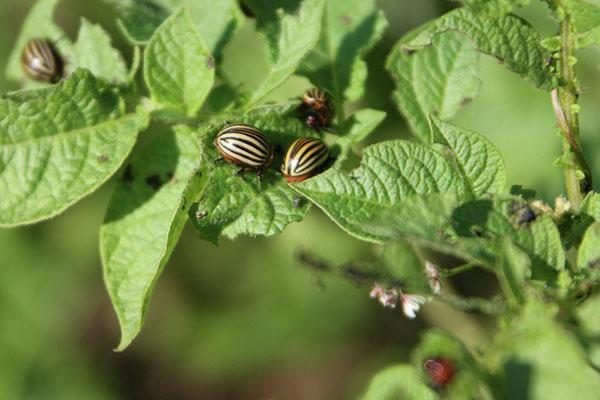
244	145
440	371
316	109
41	62
305	158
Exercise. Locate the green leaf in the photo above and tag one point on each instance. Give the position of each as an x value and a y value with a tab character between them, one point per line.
466	382
516	269
221	98
540	239
589	318
389	172
38	24
420	217
435	80
478	161
552	43
268	18
144	220
59	144
235	205
216	20
494	7
589	38
470	231
508	38
298	35
402	265
178	67
536	357
360	125
585	14
591	206
588	255
427	220
542	242
94	52
350	29
437	343
398	382
139	19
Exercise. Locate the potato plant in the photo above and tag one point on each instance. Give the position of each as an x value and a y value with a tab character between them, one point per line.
443	194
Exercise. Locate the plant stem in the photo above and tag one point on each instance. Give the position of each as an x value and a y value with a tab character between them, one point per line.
483	306
564	103
458	270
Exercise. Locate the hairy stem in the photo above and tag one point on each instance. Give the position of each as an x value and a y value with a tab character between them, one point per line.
482	306
458	270
578	176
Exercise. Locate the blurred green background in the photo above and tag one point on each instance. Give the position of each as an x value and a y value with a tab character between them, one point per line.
245	320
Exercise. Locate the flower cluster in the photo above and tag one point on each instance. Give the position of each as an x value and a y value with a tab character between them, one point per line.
411	303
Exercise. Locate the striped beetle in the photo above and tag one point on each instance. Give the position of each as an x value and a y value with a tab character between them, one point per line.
304	158
244	145
41	62
316	108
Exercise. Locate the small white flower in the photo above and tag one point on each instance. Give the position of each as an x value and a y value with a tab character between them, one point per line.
411	304
387	297
376	291
561	206
539	207
433	275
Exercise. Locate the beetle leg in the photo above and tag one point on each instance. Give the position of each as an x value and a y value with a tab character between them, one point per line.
240	172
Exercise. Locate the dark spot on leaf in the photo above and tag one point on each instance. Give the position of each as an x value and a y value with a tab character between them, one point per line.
201	214
103	158
585	185
477	231
128	174
408	51
171	177
246	9
154	182
298	202
595	263
518	190
346	19
466	101
210	62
